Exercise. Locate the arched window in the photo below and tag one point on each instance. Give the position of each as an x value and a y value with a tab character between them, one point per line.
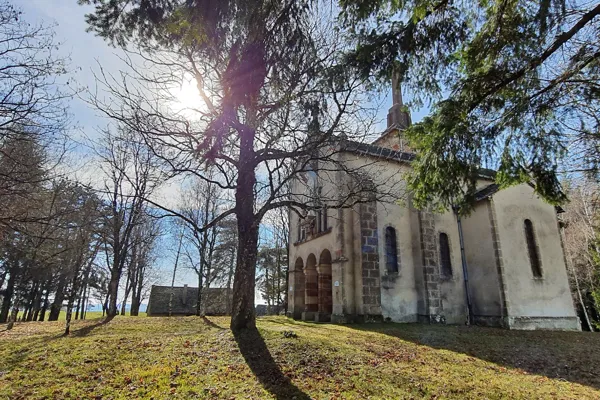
532	249
445	261
391	250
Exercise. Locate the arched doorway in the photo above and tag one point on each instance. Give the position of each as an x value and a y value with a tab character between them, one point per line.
325	288
311	289
298	283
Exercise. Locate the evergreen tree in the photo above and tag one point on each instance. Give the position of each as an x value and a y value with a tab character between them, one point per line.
515	84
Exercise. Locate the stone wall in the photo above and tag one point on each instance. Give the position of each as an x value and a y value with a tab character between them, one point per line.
430	268
371	281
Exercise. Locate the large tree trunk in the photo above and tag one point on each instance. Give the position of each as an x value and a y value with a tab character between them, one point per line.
243	314
113	290
59	296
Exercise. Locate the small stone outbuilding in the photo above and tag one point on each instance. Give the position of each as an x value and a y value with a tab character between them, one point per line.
217	301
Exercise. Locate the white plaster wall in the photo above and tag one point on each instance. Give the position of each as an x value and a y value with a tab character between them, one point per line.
452	290
550	295
398	292
484	283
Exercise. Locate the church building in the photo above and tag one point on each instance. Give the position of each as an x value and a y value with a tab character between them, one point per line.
381	259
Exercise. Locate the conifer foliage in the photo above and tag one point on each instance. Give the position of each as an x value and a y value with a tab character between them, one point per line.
514	85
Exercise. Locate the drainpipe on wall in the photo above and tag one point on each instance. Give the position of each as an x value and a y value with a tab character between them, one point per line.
464	266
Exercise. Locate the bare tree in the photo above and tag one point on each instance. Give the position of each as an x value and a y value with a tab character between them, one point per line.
142	257
31	77
273	260
273	95
201	202
129	170
582	247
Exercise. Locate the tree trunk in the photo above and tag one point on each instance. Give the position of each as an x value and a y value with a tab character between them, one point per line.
230	279
68	316
38	301
127	290
113	289
13	316
3	275
70	303
199	299
28	314
243	313
136	297
59	296
44	306
8	295
79	301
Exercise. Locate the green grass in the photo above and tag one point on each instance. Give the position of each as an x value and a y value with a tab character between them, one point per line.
192	357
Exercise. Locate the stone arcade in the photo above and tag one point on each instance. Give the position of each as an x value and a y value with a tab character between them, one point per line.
384	260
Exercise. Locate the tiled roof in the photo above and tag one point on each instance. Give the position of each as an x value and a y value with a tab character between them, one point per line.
377	151
490	190
486	192
401	156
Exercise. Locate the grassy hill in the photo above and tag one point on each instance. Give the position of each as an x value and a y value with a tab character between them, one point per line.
200	358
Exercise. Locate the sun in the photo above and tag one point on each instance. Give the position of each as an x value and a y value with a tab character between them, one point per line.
187	100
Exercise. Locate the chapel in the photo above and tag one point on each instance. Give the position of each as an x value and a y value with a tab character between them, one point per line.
377	258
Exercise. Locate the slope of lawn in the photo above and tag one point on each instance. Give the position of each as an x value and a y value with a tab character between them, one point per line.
193	357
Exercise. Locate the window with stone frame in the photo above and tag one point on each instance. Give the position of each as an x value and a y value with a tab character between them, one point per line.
320	211
391	250
445	259
532	249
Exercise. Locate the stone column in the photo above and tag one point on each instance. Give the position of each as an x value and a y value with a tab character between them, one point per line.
311	298
325	293
431	272
296	294
371	280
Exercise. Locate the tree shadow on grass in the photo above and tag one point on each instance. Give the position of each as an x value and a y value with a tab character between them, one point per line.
211	324
571	356
289	321
254	350
82	332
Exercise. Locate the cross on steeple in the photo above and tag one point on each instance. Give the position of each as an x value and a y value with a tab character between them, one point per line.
396	89
397	116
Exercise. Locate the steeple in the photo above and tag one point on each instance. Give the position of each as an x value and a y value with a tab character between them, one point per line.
397	117
397	121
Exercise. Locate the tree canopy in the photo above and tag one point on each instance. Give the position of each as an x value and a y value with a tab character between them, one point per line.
514	86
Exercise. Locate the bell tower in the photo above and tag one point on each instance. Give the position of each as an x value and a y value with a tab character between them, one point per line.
397	116
398	119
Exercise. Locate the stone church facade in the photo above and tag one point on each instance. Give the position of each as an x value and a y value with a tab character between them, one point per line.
376	259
